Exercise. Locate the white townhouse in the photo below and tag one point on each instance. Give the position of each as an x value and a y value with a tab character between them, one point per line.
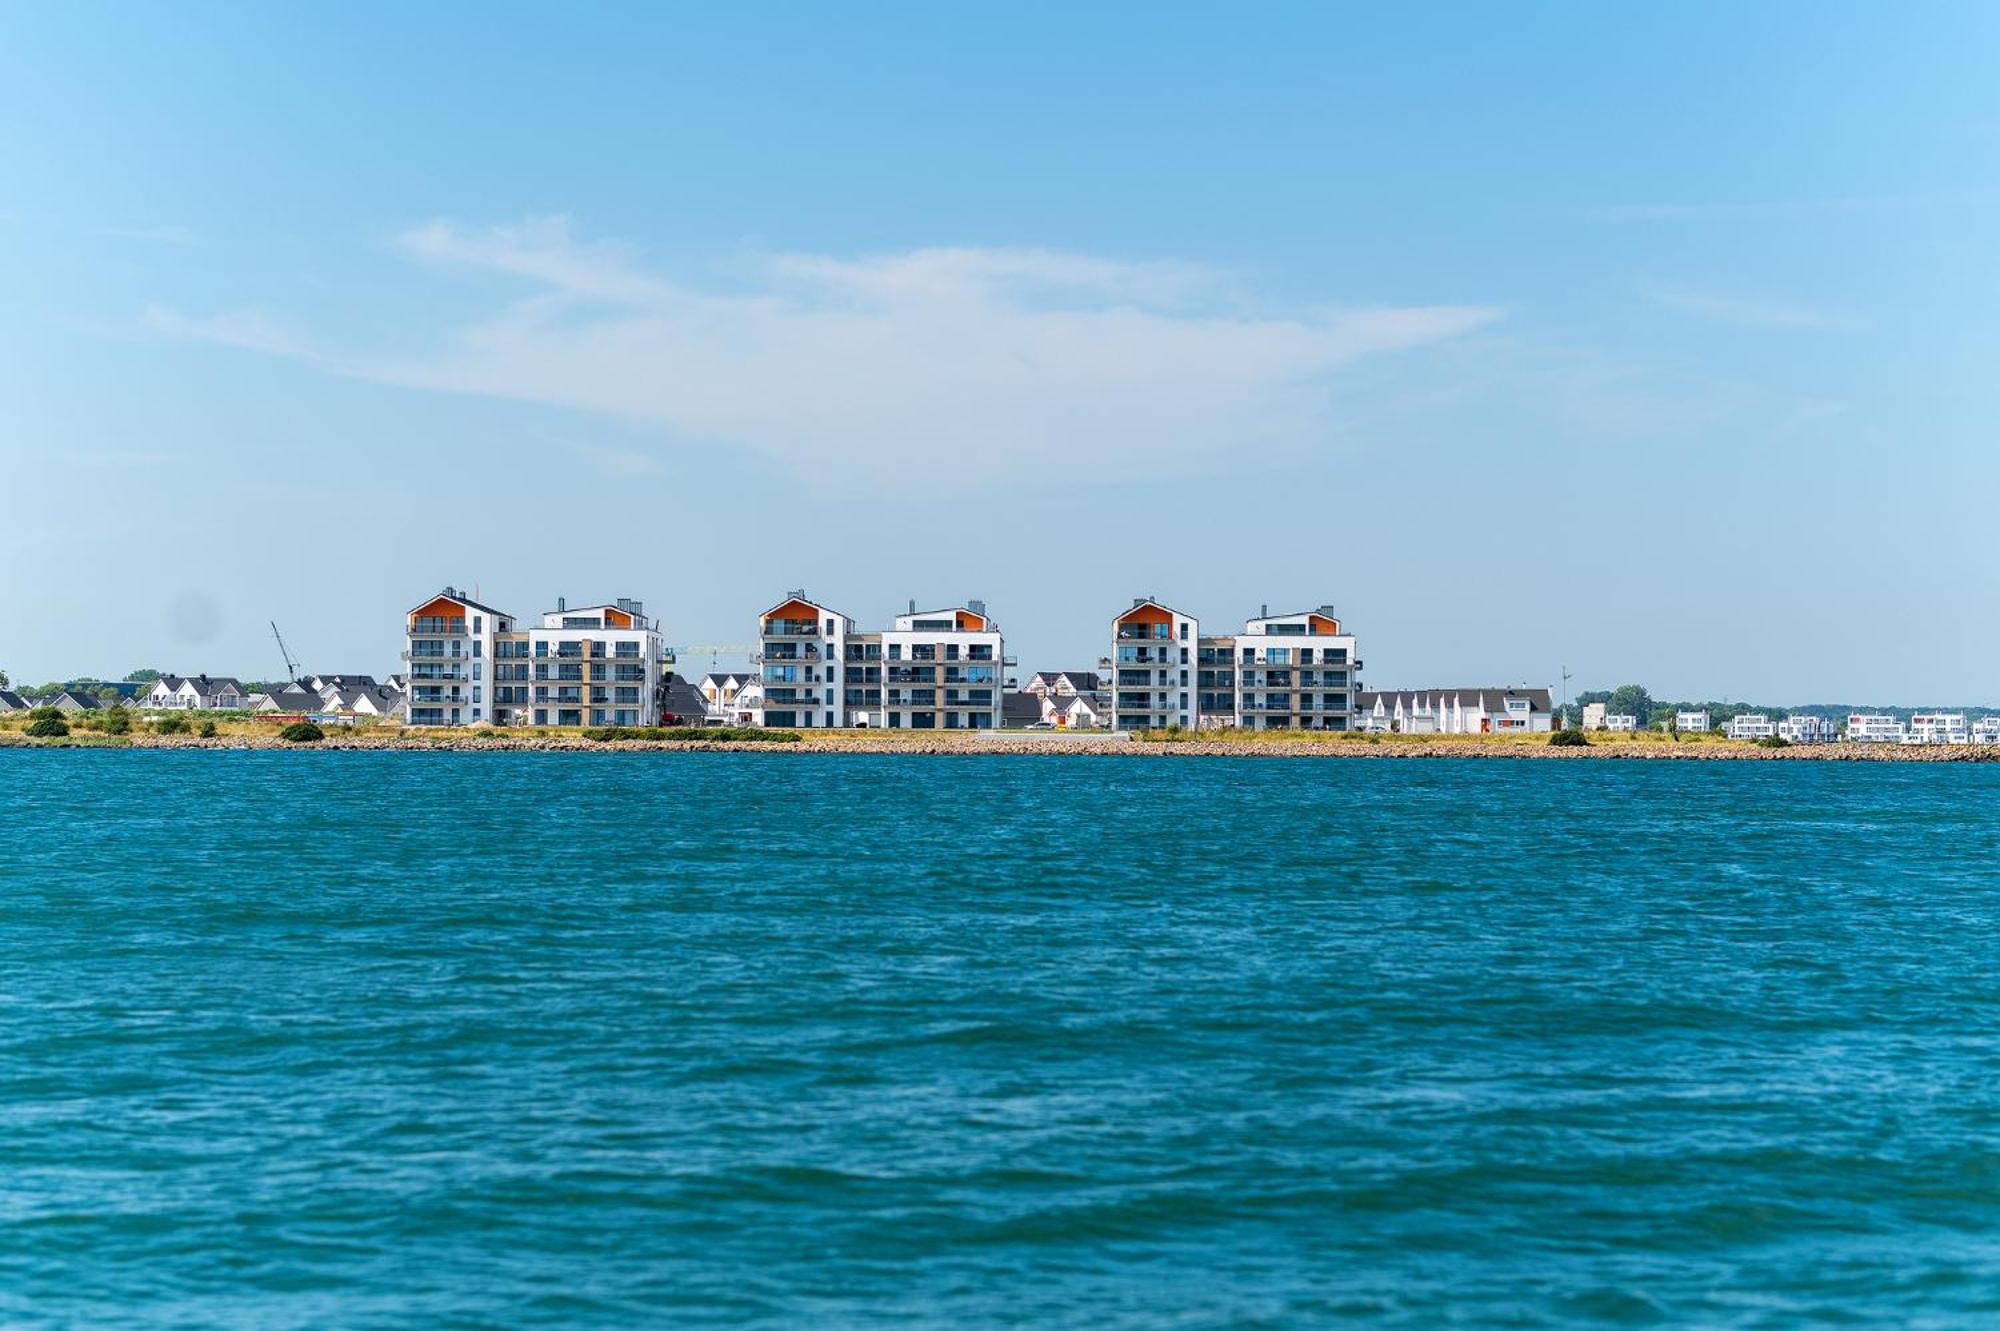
1593	716
1152	669
195	693
1620	721
721	690
1938	728
1695	722
1873	728
1808	730
1986	730
1520	710
1750	725
596	665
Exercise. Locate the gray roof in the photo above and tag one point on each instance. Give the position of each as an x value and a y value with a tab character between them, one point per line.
295	699
684	699
452	594
208	684
1020	709
12	702
718	676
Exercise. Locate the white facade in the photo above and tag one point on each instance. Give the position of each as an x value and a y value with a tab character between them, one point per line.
598	665
194	693
1152	667
1621	721
1808	730
1293	672
1691	721
1938	728
1457	711
802	645
1750	725
940	670
1594	716
1873	728
1986	730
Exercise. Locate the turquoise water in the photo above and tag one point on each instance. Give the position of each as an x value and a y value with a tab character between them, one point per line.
412	1040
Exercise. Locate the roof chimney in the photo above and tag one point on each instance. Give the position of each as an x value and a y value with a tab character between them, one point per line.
1264	610
977	608
562	604
913	606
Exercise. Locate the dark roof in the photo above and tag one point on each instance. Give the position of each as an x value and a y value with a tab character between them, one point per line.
1493	700
1020	709
683	699
717	676
450	595
12	702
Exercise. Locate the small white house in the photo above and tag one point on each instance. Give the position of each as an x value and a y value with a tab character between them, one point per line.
1986	730
1620	721
1694	722
1873	728
1937	728
1751	725
1808	730
1593	716
196	693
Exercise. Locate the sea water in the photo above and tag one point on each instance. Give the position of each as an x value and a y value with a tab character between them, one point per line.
338	1039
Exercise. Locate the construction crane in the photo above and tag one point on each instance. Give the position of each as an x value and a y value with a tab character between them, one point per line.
291	666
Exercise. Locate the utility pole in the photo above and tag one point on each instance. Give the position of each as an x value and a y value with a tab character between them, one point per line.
1565	707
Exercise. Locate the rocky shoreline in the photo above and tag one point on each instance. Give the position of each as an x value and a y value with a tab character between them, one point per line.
1050	746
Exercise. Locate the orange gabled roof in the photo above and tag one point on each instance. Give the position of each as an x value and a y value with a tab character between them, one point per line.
971	623
440	607
1322	625
1146	612
787	609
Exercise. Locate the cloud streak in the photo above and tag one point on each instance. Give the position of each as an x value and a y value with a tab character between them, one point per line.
1757	312
934	369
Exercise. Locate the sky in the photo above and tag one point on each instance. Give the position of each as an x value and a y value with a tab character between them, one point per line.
1655	345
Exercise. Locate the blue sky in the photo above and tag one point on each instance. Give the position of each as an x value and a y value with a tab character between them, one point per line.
1655	344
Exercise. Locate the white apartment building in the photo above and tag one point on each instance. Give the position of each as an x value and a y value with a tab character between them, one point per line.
801	646
1152	668
1593	716
1293	672
1808	730
1873	728
940	670
1691	721
1620	721
1750	725
1456	711
1986	730
1938	728
933	670
597	665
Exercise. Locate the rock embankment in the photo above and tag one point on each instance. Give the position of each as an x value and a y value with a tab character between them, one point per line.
1388	747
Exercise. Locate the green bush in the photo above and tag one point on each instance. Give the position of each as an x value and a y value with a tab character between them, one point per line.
301	732
48	727
698	734
45	714
1568	739
207	730
171	725
118	721
1772	742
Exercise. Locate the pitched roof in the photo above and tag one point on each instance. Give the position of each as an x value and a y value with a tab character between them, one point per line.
1019	708
12	702
721	676
684	699
451	594
1493	700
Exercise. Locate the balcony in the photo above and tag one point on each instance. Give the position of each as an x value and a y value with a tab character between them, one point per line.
447	628
791	628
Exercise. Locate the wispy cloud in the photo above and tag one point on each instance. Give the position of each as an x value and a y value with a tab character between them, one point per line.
1757	312
616	462
934	368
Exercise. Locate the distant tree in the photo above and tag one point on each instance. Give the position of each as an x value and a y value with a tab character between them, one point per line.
4	681
1631	700
142	676
117	721
110	693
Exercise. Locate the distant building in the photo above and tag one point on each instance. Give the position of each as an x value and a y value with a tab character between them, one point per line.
720	690
195	693
1750	725
1937	728
1291	671
930	670
12	702
66	700
1456	711
1593	716
1873	728
286	702
1151	664
1695	722
1620	721
1020	710
1986	730
1808	730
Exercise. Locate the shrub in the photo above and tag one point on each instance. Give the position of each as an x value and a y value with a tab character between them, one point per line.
171	725
1568	739
1772	742
301	732
45	714
118	721
207	730
48	727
